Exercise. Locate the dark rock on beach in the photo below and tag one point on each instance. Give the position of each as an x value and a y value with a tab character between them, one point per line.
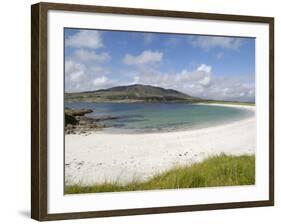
77	123
69	120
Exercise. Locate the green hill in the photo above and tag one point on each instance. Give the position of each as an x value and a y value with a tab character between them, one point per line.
131	93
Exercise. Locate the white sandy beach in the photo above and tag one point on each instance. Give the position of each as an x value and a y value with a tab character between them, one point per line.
100	157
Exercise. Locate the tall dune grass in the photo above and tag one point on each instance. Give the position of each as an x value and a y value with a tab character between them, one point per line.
222	170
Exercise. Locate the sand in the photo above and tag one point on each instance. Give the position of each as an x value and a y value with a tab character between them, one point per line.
120	158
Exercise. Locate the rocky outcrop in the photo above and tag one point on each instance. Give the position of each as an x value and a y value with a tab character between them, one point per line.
77	112
77	123
69	119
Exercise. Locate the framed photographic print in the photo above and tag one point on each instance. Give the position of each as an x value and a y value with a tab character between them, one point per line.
139	111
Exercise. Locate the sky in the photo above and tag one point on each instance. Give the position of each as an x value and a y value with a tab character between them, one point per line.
209	67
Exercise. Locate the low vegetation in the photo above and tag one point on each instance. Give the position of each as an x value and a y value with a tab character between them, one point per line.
222	170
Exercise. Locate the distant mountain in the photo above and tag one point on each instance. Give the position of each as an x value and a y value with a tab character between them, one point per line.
131	93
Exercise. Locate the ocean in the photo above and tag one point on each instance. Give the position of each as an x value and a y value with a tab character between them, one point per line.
160	117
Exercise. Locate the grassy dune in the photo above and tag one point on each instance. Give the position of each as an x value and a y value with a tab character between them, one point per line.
222	170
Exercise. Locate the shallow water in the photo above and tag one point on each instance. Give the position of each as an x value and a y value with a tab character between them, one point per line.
161	117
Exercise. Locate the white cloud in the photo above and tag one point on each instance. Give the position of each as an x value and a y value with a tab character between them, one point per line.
204	68
200	83
80	77
100	81
85	68
208	42
146	57
85	71
205	81
71	66
85	39
91	56
239	88
75	76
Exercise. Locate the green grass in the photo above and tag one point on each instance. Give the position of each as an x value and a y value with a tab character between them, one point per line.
222	170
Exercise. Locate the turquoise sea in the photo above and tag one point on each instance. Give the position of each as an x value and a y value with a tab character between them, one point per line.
160	117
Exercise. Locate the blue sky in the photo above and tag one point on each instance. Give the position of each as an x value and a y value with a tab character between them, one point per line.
212	67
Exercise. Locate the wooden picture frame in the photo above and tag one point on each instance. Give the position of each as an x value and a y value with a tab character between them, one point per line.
39	109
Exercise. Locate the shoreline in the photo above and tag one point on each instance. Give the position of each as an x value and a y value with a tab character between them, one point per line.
241	106
103	157
180	129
